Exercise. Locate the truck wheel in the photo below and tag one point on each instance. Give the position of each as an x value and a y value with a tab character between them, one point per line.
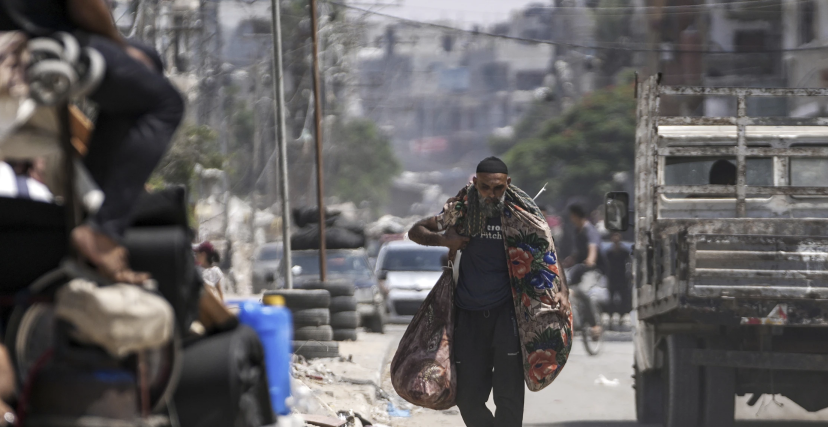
719	391
649	396
681	383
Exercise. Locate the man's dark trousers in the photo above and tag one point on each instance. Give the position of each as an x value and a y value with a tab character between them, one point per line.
139	110
487	356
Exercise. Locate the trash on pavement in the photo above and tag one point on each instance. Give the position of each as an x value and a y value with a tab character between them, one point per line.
602	380
397	412
323	421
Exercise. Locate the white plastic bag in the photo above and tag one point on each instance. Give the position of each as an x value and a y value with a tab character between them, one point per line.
121	318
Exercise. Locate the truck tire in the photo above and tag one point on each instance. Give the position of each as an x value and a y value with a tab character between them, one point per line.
719	391
345	320
313	333
681	383
301	299
311	317
339	304
649	396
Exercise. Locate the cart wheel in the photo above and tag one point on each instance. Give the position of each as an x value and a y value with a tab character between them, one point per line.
50	81
93	73
43	48
71	48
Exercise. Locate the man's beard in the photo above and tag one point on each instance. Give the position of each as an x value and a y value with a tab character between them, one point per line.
492	209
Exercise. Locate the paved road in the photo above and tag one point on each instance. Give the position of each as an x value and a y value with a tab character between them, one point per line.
580	397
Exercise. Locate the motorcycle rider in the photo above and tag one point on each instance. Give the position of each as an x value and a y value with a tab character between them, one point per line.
139	110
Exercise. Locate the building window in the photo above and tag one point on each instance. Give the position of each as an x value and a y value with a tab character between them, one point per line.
806	22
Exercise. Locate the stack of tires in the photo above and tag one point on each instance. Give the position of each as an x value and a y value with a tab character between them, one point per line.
344	317
312	332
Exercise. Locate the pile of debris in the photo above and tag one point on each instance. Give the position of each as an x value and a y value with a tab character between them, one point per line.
367	403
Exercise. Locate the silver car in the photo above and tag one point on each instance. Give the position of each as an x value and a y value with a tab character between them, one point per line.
407	272
266	262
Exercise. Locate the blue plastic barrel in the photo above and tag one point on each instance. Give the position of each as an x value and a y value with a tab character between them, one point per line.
274	325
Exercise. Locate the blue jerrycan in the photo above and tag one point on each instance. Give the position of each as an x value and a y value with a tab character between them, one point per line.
274	325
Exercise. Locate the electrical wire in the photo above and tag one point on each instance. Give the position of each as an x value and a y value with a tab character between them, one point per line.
566	44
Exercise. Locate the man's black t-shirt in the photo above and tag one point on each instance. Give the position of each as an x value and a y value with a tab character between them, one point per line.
484	274
588	235
40	15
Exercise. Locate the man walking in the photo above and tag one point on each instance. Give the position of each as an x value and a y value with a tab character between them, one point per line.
512	322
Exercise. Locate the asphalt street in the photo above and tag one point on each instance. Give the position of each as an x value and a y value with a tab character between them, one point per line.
596	391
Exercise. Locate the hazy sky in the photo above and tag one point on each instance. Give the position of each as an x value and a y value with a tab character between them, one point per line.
465	12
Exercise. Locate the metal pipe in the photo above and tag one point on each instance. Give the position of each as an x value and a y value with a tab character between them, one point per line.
281	140
317	116
741	168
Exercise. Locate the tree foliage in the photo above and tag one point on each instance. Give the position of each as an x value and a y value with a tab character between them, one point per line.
362	164
191	145
579	152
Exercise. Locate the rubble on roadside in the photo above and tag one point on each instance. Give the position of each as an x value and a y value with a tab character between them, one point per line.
333	387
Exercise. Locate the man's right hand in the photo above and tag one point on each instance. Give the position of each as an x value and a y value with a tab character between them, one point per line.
454	241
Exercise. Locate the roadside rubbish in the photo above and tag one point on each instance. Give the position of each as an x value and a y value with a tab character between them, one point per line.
602	380
397	412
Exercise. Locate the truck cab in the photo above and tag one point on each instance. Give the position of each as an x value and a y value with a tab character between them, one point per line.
731	245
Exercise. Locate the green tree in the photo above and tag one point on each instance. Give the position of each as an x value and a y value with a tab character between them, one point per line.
362	164
191	145
579	152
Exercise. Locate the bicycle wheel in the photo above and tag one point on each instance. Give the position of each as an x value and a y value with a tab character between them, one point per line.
593	337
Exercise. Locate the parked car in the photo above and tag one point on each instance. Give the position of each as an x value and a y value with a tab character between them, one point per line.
266	262
407	272
347	264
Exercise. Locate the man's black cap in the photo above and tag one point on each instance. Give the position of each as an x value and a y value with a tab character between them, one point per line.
492	165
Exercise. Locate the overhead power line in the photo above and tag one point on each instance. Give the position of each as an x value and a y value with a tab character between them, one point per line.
563	43
678	7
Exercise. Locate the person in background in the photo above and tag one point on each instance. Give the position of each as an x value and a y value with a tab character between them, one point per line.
617	257
208	258
16	182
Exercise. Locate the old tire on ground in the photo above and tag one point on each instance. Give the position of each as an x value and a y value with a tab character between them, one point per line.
346	303
345	335
649	396
316	349
313	333
345	320
718	392
311	317
300	299
337	288
375	323
682	382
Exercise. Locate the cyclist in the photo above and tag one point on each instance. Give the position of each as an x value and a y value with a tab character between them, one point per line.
584	258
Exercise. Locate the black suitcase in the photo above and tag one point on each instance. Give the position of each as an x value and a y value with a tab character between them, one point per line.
166	253
223	382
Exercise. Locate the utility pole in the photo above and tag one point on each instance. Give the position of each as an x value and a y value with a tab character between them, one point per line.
281	139
317	116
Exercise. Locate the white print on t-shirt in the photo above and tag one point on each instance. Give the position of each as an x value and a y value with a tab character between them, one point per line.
492	233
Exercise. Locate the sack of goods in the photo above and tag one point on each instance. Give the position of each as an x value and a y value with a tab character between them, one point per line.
421	371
